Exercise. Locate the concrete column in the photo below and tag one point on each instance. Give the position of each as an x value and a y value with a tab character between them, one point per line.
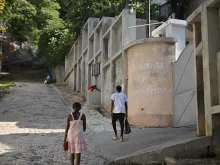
112	82
83	76
216	133
128	19
110	41
198	63
218	70
101	67
128	35
77	78
84	39
210	33
125	78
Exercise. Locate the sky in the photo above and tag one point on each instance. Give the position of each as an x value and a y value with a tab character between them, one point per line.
159	1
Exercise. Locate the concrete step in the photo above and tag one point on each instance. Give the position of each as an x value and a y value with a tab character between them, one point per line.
195	147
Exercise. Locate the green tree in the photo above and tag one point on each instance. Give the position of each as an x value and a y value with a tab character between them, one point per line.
48	15
20	19
54	46
47	18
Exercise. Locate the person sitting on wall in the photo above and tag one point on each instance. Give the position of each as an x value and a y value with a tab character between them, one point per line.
48	79
119	111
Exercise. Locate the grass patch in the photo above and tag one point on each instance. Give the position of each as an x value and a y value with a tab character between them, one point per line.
5	84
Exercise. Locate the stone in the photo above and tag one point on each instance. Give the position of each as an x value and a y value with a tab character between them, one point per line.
170	161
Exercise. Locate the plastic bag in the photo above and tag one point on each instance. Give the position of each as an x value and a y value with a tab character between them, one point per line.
127	127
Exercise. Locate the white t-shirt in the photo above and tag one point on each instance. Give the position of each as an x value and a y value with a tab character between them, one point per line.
119	102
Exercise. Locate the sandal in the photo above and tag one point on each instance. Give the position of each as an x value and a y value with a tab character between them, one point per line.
122	139
115	138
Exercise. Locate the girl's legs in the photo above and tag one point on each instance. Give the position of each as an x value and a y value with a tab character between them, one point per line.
78	157
72	158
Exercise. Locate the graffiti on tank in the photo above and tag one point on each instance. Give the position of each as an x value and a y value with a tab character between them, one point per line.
149	91
152	65
142	79
147	66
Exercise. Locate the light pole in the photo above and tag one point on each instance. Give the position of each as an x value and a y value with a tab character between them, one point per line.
127	4
1	43
147	13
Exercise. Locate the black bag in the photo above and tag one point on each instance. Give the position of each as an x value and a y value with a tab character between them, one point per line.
127	127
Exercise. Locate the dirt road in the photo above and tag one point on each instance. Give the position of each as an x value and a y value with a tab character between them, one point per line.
32	122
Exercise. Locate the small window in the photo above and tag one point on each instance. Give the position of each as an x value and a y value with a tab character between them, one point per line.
96	69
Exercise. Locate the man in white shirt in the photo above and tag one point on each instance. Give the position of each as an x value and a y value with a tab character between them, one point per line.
119	109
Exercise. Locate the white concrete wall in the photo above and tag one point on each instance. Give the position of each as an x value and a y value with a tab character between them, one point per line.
184	87
176	29
179	33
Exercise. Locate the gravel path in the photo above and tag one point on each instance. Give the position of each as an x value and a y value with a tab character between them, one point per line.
32	122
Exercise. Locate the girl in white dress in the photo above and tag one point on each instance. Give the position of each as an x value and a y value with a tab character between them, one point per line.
74	134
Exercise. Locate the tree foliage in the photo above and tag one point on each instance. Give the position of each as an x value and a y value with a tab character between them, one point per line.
3	7
2	4
20	19
47	15
54	46
52	25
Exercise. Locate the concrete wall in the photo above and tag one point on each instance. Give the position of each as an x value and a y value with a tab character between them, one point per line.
150	97
107	88
184	89
102	41
69	65
118	71
60	74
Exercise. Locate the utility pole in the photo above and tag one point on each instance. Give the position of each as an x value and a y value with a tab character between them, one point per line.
1	43
147	13
127	4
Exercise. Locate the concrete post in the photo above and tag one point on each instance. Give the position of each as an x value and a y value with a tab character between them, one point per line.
198	62
128	19
101	67
210	33
128	35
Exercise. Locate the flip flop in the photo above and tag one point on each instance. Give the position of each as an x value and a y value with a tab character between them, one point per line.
122	139
115	138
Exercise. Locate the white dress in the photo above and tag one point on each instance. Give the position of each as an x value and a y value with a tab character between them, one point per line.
75	136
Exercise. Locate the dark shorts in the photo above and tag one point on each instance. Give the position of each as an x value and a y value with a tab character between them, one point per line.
118	116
